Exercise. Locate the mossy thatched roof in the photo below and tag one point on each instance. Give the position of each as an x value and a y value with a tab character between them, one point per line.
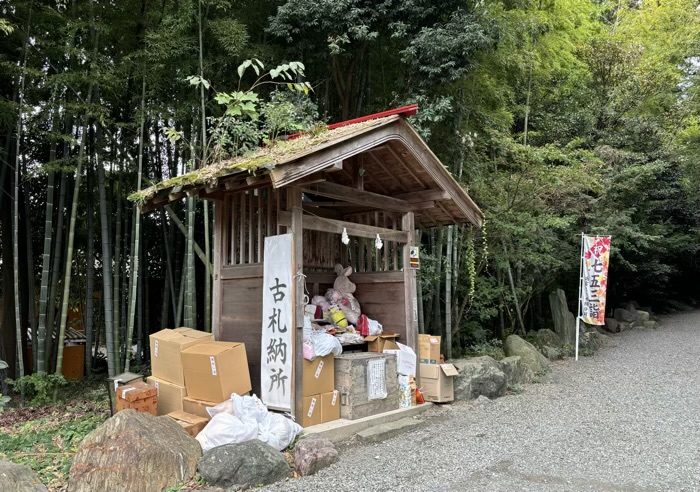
280	152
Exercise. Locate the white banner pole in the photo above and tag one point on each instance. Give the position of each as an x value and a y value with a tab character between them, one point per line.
580	292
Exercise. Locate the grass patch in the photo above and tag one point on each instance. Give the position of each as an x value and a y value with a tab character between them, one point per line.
46	438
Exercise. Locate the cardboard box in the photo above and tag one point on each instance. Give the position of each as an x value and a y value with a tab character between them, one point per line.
137	396
405	359
330	406
429	349
197	407
193	424
311	414
166	346
436	382
214	370
377	343
169	395
318	376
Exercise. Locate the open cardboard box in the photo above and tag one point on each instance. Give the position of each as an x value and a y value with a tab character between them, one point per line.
377	343
436	382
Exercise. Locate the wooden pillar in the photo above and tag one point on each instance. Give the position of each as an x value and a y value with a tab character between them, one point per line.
409	283
219	238
294	206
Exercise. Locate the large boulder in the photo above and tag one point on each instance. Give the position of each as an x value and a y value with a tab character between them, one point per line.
650	324
624	315
479	376
19	478
564	320
529	356
134	452
641	316
243	465
515	371
612	325
313	454
547	338
624	326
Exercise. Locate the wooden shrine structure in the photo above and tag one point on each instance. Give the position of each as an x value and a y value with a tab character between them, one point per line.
371	176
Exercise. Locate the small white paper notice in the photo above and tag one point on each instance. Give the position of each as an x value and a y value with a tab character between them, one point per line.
376	384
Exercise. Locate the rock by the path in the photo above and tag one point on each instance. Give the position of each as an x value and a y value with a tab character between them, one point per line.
624	315
625	326
514	345
19	478
516	372
678	306
641	316
479	376
650	324
483	400
313	454
134	452
547	338
612	325
552	353
564	320
243	465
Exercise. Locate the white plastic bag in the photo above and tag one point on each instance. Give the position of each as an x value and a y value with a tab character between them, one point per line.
225	428
248	408
325	344
375	328
278	431
223	407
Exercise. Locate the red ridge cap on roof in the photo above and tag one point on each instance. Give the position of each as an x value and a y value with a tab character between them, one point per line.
404	111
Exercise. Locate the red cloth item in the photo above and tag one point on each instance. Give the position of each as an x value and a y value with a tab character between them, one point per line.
363	325
319	313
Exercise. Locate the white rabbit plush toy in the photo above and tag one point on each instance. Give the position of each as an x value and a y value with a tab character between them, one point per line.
340	295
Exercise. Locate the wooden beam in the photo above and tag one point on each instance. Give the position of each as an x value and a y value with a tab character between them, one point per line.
294	209
410	292
358	197
384	168
423	196
336	227
326	155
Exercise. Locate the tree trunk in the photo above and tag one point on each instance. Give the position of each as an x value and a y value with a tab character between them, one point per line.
112	350
56	268
116	283
137	233
71	233
448	295
515	294
90	272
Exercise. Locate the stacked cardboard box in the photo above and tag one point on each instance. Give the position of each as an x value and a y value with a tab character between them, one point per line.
436	379
321	402
166	365
137	396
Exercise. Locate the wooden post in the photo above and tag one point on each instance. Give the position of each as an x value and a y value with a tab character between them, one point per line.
409	285
294	206
219	238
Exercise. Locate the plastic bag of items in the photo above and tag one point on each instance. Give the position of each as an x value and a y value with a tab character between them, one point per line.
325	344
244	418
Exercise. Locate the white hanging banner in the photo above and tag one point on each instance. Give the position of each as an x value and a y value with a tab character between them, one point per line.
277	349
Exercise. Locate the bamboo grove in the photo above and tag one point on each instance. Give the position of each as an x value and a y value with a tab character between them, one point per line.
558	116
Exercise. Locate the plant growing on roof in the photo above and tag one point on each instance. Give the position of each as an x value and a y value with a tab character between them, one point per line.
239	128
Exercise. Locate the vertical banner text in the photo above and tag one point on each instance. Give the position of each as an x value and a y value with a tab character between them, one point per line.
596	257
277	350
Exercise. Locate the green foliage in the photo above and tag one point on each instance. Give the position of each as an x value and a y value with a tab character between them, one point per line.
493	348
40	388
47	445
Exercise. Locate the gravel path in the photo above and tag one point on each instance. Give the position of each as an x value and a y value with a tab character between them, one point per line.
626	419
